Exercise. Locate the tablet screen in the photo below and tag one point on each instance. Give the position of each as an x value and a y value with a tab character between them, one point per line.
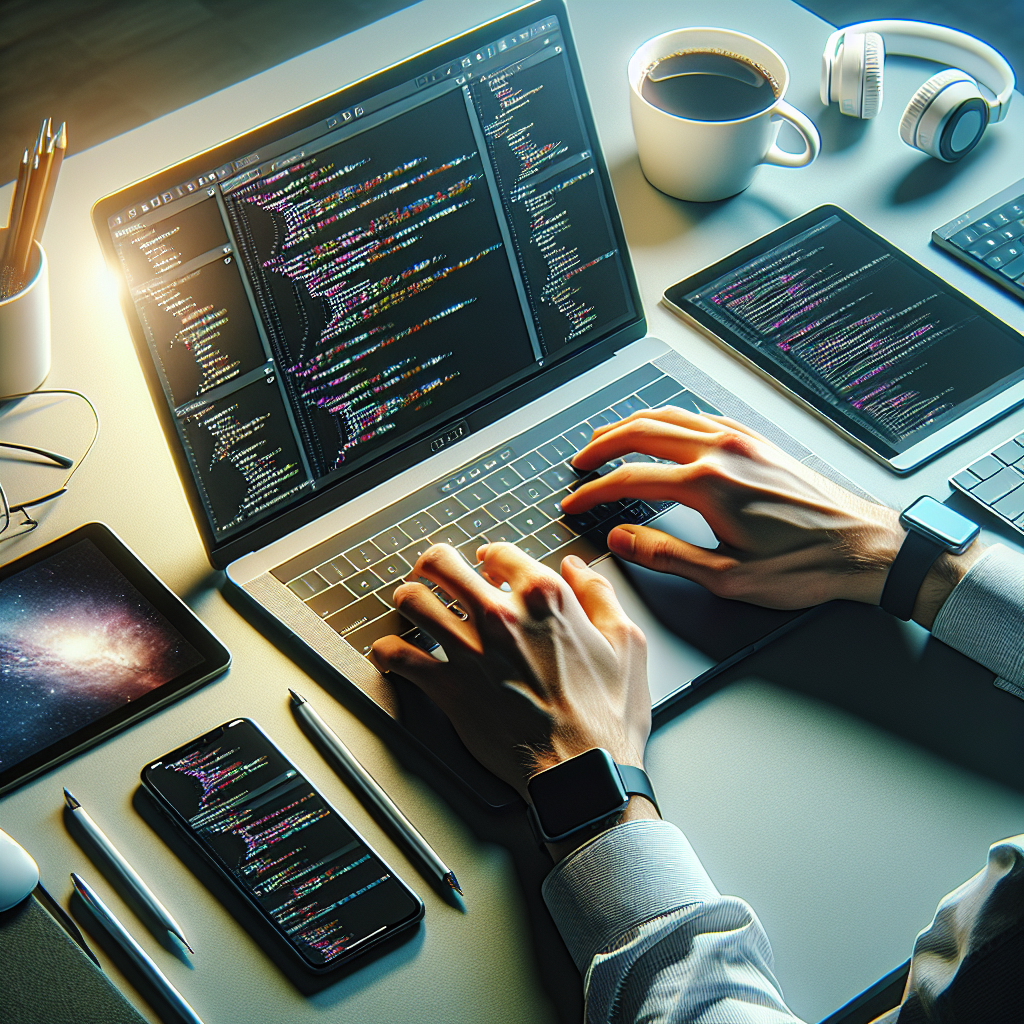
856	328
84	650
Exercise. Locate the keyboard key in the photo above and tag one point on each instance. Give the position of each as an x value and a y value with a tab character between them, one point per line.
582	521
393	569
365	554
528	521
336	569
532	546
504	507
448	510
661	392
530	465
365	582
557	449
628	406
303	589
1006	234
481	520
995	487
985	467
998	218
965	479
554	535
329	601
1009	453
502	532
637	513
469	549
1012	505
391	622
532	491
552	505
559	476
419	525
450	534
1013	269
1014	210
983	227
414	550
504	480
589	548
357	614
1004	255
474	496
984	246
962	239
580	436
391	540
602	419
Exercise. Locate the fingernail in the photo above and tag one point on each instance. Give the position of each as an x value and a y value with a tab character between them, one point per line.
480	552
621	542
575	561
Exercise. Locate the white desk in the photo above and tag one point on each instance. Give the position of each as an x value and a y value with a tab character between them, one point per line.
807	784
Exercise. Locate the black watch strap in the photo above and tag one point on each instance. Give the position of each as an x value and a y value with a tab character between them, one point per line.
915	557
637	783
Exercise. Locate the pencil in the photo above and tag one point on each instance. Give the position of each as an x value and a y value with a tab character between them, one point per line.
58	147
17	201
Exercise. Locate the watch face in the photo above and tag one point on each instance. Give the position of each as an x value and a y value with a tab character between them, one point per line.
584	789
942	524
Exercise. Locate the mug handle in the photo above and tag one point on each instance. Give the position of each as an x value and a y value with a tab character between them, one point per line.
803	124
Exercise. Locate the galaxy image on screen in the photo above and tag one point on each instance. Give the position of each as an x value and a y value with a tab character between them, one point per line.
77	641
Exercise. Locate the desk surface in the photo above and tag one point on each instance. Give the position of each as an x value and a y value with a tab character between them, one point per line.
820	780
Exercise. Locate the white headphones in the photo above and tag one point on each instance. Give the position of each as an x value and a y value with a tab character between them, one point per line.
948	115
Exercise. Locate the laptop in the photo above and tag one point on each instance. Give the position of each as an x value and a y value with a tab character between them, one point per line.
389	319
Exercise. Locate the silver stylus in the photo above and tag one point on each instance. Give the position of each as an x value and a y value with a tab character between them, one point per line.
363	781
127	873
138	955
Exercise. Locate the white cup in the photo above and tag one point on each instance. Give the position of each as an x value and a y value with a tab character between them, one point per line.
706	160
25	329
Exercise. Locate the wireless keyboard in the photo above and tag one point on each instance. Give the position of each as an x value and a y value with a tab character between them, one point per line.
990	238
996	481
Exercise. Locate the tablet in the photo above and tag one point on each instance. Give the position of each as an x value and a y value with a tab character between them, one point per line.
885	351
90	642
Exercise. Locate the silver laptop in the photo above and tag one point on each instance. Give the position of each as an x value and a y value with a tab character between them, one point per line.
389	319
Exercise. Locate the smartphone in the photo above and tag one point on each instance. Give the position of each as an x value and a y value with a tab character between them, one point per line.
259	822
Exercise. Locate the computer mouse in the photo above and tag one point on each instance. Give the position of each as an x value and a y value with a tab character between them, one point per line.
18	872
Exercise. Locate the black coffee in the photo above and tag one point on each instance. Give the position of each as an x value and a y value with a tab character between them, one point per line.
708	85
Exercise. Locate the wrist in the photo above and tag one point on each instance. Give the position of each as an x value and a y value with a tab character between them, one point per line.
944	575
639	808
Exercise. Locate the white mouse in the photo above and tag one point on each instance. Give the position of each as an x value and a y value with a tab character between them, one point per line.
18	872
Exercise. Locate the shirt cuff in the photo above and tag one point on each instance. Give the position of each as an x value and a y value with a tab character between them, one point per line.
620	879
984	615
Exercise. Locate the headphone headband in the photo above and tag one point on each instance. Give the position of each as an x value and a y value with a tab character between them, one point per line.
944	46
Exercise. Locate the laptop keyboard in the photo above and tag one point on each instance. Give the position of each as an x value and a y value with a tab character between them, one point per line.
996	481
990	238
512	494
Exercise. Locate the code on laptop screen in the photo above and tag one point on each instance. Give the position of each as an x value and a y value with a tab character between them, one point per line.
315	305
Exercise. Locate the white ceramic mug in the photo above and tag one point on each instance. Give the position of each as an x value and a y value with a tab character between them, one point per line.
706	160
25	329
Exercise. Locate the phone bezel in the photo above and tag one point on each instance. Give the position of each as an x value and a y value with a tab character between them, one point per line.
210	857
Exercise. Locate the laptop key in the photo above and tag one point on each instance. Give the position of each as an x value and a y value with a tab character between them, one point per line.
364	554
965	478
303	589
336	569
450	534
1011	505
532	546
603	418
504	480
559	476
502	532
475	495
448	510
356	614
365	582
581	435
414	550
630	405
530	465
393	569
661	392
532	491
589	548
528	521
556	450
985	467
964	238
552	505
481	520
995	487
419	525
1009	453
555	535
1013	269
504	507
389	623
391	540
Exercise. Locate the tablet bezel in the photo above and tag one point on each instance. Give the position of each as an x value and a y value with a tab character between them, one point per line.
216	657
1010	391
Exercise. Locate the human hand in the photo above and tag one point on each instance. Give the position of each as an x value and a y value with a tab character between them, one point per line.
535	675
788	537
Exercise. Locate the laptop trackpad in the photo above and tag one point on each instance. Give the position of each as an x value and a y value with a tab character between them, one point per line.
689	630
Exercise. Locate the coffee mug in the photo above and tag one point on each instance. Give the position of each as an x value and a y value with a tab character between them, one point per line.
703	160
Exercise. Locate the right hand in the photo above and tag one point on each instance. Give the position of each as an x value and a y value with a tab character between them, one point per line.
788	537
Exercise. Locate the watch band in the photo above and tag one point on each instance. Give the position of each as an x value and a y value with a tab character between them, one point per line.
636	783
915	557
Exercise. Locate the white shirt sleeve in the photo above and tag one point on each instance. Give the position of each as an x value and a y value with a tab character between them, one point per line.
653	937
984	616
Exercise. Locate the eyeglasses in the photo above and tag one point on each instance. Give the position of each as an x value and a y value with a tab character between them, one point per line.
16	520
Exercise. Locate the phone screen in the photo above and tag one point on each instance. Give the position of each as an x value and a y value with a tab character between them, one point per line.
296	858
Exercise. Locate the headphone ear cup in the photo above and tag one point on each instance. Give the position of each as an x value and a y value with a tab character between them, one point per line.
946	117
874	58
857	74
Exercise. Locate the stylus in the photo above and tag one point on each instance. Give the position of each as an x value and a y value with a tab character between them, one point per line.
365	783
135	952
125	871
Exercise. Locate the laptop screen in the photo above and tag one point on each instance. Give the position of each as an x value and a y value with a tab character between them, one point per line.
317	302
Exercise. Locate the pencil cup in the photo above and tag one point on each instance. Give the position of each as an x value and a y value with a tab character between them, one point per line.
25	329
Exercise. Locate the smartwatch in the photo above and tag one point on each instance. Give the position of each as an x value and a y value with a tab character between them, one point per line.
586	793
932	528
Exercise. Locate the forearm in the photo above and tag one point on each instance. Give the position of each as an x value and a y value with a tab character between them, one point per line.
653	937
